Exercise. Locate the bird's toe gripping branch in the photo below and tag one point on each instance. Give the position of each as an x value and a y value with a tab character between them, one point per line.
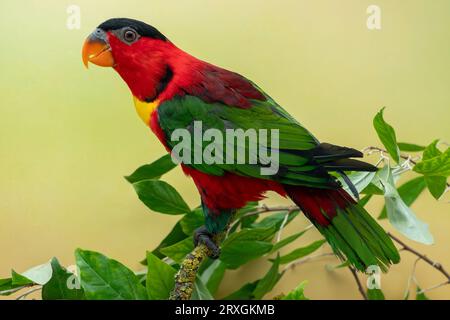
202	235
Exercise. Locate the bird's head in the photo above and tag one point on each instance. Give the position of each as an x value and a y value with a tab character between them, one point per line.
137	51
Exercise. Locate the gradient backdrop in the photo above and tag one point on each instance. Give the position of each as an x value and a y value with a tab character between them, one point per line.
67	135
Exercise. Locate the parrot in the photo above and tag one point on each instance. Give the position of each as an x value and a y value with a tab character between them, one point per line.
172	90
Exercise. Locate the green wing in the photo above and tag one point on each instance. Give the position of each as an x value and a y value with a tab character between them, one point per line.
302	160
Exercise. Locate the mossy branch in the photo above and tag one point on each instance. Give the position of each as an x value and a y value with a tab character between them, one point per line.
186	275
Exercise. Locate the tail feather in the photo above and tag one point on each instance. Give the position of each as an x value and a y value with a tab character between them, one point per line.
349	165
350	230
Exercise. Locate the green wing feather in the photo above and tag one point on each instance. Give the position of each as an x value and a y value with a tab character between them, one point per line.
297	165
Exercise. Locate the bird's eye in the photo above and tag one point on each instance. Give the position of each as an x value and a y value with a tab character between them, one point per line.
129	35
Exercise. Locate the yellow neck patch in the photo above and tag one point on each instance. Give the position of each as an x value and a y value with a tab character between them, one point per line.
145	109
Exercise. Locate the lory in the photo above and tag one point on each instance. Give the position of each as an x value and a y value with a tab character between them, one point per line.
173	90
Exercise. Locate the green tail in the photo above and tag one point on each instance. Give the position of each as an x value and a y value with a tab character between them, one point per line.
354	234
350	230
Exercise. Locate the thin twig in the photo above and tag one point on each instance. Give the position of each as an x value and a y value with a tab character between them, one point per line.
11	291
432	263
403	156
358	282
283	224
412	277
265	209
434	287
25	294
406	157
298	262
422	257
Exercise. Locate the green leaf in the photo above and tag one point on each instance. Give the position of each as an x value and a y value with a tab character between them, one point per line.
178	251
238	253
275	220
332	267
431	151
359	179
280	244
245	245
372	189
60	286
161	197
251	234
387	135
201	292
297	293
436	185
192	221
244	293
107	279
267	283
399	214
249	207
160	278
410	147
176	235
7	287
5	283
152	171
437	166
213	275
364	200
246	222
420	295
409	192
301	252
375	294
40	274
18	280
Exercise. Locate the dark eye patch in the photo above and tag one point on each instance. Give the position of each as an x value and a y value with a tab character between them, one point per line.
143	29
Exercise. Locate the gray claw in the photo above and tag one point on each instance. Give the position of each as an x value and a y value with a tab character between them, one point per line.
201	235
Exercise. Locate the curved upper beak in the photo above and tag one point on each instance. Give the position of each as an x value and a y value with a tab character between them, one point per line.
96	49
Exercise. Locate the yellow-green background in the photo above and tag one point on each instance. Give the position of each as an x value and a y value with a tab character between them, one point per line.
67	135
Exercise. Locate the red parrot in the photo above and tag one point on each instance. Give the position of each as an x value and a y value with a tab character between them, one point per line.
173	90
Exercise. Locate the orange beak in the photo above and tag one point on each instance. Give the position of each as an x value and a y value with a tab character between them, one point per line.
97	51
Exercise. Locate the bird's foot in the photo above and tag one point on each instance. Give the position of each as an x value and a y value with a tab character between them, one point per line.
201	235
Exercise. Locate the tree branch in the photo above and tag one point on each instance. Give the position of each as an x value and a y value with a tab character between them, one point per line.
186	275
